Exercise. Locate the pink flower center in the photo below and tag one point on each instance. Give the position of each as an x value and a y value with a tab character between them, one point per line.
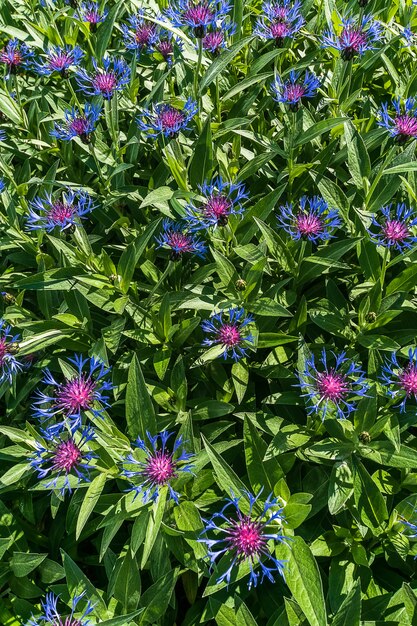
179	241
165	48
406	125
160	468
213	41
199	15
280	13
60	61
105	82
171	118
79	125
143	34
4	349
408	380
353	39
332	386
92	16
394	230
67	455
229	335
218	207
69	621
61	212
76	394
246	537
309	224
11	58
294	92
279	30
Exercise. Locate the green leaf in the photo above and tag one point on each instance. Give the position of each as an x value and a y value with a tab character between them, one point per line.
221	63
90	500
22	563
340	486
226	477
318	129
157	597
406	280
106	29
132	254
201	164
358	157
261	473
349	613
77	583
122	620
127	587
154	525
140	412
368	499
244	616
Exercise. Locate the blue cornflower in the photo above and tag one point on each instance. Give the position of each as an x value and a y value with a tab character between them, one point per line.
59	60
167	120
292	90
244	538
2	183
312	220
158	466
16	55
332	389
90	12
228	332
197	14
78	124
166	45
401	380
394	229
403	125
176	238
63	455
51	615
48	213
9	346
221	199
3	135
104	81
408	35
355	38
280	20
215	40
141	34
86	390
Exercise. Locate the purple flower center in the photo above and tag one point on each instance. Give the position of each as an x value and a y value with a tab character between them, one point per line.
61	212
179	241
213	41
144	34
406	125
395	230
160	468
66	456
69	621
408	379
59	62
229	335
218	207
170	119
332	386
76	394
279	30
79	125
294	92
309	224
4	350
11	58
280	14
199	15
165	48
92	16
105	82
246	537
353	39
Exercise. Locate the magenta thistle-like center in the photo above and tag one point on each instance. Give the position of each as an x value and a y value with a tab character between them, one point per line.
69	621
105	82
13	58
395	230
353	39
214	40
309	224
165	48
59	62
160	468
4	349
408	379
279	30
218	207
171	118
246	537
144	34
406	125
67	455
332	386
61	212
199	15
79	125
77	394
179	241
229	335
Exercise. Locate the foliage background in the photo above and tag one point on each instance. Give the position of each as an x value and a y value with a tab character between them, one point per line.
105	290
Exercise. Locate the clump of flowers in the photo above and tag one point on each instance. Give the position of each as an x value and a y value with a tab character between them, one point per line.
246	538
281	20
90	12
167	120
59	60
16	55
64	455
312	219
229	331
51	615
197	14
401	380
402	126
293	90
220	200
78	123
64	212
394	228
104	81
176	237
157	466
10	365
355	38
85	390
331	390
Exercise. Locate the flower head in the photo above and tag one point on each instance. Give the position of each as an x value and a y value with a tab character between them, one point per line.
85	390
167	120
63	455
332	389
104	81
216	39
176	238
2	185
355	38
245	538
394	229
59	60
401	379
166	44
9	347
292	91
220	200
402	126
197	14
157	467
141	34
229	332
52	616
312	220
48	213
78	124
90	12
16	55
280	20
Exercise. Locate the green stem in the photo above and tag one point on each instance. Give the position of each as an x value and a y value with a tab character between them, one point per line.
384	268
196	78
218	101
102	179
74	95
